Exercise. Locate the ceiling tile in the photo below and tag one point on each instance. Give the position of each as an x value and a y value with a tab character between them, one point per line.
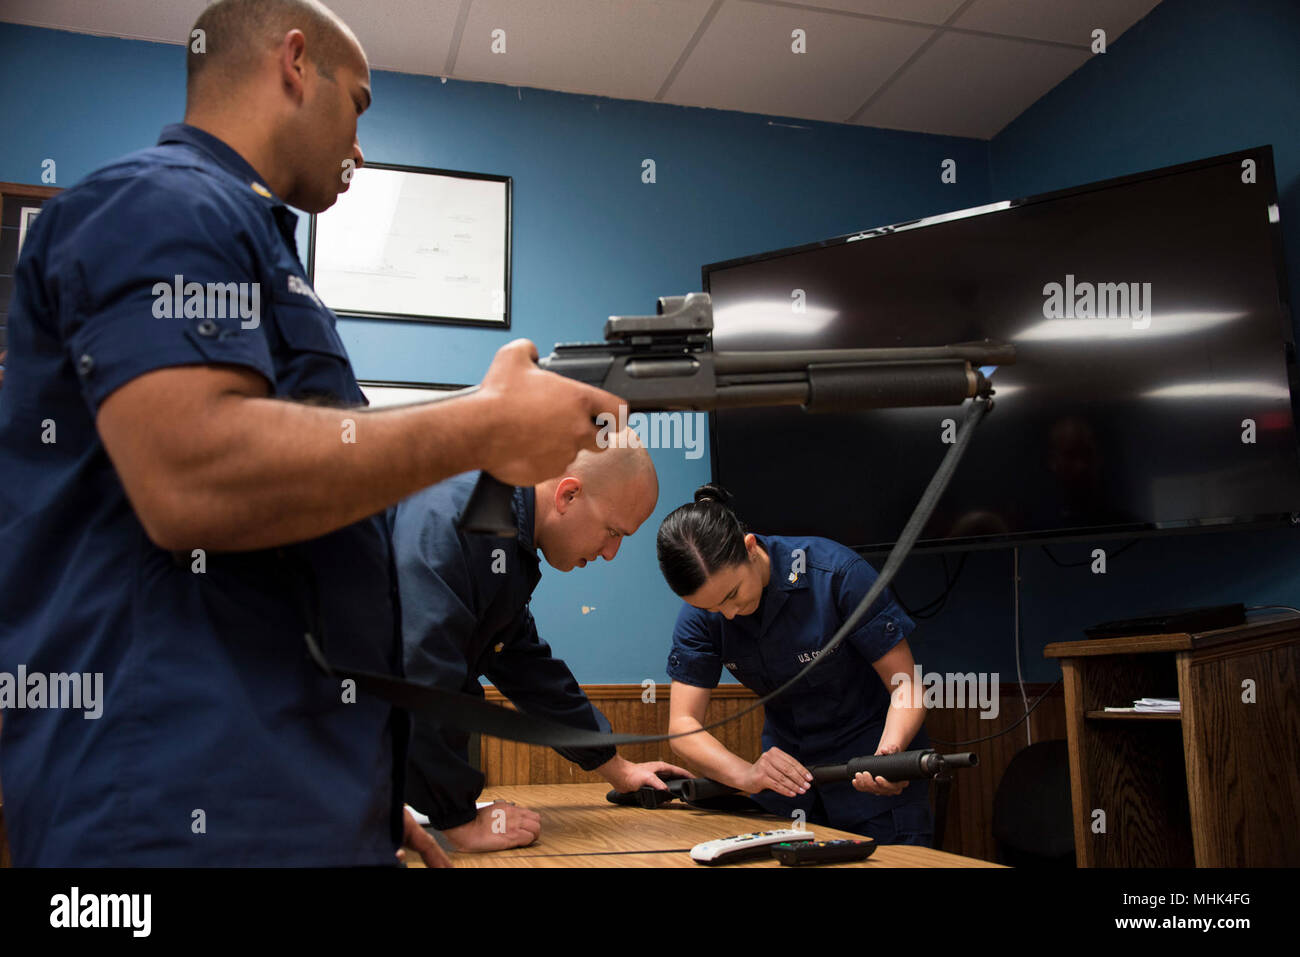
1065	21
744	62
917	11
625	49
409	36
921	11
965	85
133	19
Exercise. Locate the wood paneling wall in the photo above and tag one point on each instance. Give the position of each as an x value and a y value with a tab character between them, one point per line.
969	826
508	762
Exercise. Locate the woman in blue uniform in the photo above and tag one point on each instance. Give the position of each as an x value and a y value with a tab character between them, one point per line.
762	607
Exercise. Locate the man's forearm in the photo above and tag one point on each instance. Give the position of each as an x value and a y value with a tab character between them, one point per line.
612	769
270	472
208	460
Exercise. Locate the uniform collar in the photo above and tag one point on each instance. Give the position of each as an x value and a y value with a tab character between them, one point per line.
779	556
525	500
223	155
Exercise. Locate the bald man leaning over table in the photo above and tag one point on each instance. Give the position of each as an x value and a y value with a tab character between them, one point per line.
465	613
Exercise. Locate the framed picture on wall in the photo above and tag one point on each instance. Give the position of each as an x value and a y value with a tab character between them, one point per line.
424	245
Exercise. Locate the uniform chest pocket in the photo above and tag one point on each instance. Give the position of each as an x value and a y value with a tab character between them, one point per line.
304	328
748	670
312	361
826	672
826	680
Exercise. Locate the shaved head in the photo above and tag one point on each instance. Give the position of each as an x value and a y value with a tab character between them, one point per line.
238	33
601	498
624	463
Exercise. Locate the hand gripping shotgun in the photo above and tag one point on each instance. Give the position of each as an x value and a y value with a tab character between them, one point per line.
666	362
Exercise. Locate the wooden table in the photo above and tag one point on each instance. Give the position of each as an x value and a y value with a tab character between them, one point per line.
581	829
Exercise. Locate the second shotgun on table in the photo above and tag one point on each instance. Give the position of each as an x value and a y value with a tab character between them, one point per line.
903	766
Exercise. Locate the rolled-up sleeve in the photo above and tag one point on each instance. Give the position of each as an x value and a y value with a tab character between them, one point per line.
120	311
885	623
696	658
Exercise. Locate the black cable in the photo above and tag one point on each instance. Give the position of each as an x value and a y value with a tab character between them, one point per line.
998	734
472	714
950	582
1086	561
943	602
920	612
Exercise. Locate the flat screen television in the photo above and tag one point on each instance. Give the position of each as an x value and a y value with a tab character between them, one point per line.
1154	386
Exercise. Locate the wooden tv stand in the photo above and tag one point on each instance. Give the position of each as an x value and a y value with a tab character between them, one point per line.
1215	786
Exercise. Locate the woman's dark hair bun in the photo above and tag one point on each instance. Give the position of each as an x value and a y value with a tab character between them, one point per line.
713	493
698	539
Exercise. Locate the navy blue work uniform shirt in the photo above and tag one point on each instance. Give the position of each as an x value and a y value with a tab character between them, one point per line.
465	613
838	711
218	742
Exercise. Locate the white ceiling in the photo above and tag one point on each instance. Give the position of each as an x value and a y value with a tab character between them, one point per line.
958	67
